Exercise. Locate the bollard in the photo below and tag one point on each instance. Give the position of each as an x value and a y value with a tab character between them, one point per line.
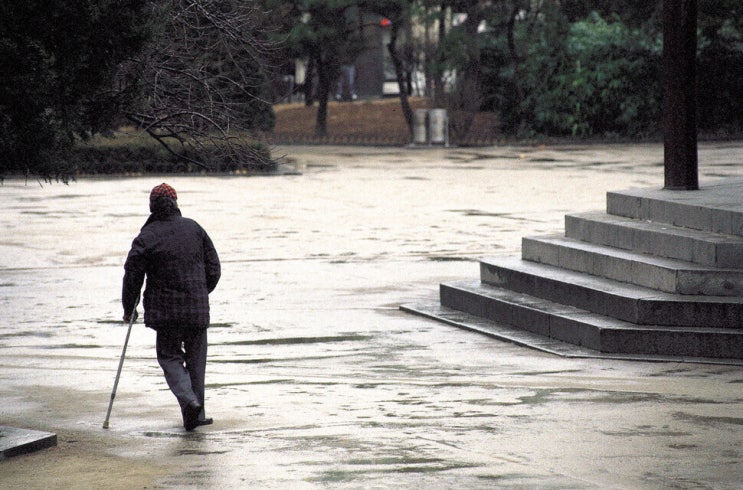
438	123
420	133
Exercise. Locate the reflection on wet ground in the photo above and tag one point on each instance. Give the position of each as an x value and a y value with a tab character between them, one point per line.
315	378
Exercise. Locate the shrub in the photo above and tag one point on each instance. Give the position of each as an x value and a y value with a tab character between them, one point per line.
136	153
591	77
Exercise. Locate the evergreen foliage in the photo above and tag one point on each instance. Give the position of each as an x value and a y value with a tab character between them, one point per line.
57	64
189	73
588	69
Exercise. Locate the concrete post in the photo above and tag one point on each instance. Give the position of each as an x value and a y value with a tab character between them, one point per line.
438	122
420	132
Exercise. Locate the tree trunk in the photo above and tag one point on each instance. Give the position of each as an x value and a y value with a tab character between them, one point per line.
309	83
679	90
427	51
438	87
323	72
407	112
514	54
467	98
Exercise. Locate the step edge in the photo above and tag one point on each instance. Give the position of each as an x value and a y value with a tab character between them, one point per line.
572	312
475	324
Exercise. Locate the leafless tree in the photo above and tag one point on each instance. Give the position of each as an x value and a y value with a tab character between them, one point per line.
203	83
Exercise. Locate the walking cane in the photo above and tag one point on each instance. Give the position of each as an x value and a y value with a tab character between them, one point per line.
121	362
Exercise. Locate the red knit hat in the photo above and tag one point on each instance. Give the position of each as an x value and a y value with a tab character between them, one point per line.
163	190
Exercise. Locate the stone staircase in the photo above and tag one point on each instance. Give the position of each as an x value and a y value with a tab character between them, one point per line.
659	275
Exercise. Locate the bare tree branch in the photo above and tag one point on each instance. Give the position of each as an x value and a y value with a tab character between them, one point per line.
203	80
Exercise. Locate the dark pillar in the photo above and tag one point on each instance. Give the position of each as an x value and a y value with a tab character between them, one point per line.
679	94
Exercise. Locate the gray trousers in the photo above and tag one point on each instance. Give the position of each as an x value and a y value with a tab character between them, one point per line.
181	353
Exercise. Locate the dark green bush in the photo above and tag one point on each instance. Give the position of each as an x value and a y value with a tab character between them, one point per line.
136	154
609	83
719	75
591	77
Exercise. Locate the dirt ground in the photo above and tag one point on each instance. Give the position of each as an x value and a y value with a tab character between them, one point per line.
378	121
78	461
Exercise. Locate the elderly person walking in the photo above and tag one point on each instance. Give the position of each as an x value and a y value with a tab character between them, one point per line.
182	268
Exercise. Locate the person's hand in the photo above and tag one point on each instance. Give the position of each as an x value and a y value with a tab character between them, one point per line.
128	317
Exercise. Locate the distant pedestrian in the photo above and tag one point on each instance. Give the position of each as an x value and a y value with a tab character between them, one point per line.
346	82
182	268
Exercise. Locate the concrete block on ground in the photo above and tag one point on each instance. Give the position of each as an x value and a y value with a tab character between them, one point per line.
15	441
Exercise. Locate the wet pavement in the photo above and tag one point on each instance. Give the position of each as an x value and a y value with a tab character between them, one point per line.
316	379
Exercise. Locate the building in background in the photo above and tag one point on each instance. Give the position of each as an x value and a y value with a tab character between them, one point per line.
374	73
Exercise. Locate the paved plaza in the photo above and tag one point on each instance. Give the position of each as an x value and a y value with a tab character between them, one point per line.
316	378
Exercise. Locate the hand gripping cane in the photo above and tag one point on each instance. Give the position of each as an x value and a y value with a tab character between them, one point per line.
121	362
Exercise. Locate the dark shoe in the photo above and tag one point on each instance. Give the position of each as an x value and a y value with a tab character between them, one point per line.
191	415
207	421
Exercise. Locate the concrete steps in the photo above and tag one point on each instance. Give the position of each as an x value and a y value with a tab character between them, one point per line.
716	208
641	269
656	238
579	327
659	274
611	298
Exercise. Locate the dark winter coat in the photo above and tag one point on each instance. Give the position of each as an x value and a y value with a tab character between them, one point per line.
182	268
